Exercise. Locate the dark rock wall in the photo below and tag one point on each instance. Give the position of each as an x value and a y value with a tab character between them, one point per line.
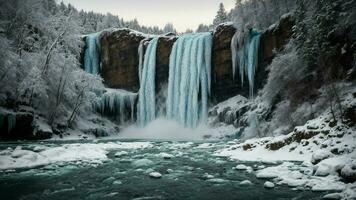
223	84
164	48
119	57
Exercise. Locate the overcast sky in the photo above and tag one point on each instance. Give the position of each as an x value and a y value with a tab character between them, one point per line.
182	13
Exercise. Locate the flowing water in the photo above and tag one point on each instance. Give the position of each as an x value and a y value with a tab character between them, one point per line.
189	171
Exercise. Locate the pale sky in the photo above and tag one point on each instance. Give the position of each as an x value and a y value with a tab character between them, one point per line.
182	13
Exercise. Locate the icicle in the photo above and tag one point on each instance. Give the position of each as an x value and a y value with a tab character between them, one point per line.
92	54
189	75
246	58
11	122
114	102
234	43
146	108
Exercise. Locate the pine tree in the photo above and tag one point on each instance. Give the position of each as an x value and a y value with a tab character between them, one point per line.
221	15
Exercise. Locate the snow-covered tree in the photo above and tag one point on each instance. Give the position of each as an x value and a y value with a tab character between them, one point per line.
169	28
221	15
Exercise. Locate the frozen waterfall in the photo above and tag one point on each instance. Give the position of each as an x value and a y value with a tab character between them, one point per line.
245	56
92	53
146	107
116	102
189	79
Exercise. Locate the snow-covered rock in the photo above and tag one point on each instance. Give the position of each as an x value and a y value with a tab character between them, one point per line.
268	184
320	155
165	155
332	196
245	183
155	175
121	153
241	167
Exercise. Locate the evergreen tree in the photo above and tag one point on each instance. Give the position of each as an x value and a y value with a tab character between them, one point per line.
221	15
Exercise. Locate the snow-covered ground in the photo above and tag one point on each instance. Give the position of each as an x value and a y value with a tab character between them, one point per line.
93	153
319	156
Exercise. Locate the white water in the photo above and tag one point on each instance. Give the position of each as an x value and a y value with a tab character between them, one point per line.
146	107
92	63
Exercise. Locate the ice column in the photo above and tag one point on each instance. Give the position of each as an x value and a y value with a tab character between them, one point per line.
92	53
245	56
146	107
189	79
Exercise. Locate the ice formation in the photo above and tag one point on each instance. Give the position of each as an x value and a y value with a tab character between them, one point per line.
245	56
146	107
9	119
115	103
189	79
92	53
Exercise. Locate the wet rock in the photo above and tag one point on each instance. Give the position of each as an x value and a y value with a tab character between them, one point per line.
121	153
296	136
119	57
348	172
164	47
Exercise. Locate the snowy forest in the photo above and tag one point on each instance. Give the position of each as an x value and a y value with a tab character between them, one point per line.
260	103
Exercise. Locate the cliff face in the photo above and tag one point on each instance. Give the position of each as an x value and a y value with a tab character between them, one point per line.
164	48
272	40
120	59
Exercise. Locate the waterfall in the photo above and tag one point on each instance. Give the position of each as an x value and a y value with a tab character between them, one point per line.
245	56
115	102
92	53
189	79
146	107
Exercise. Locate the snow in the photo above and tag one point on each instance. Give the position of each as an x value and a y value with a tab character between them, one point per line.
88	153
320	155
268	184
216	180
245	183
332	196
241	167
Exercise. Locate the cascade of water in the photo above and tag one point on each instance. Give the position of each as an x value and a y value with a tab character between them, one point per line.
114	102
92	54
189	77
146	107
245	57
